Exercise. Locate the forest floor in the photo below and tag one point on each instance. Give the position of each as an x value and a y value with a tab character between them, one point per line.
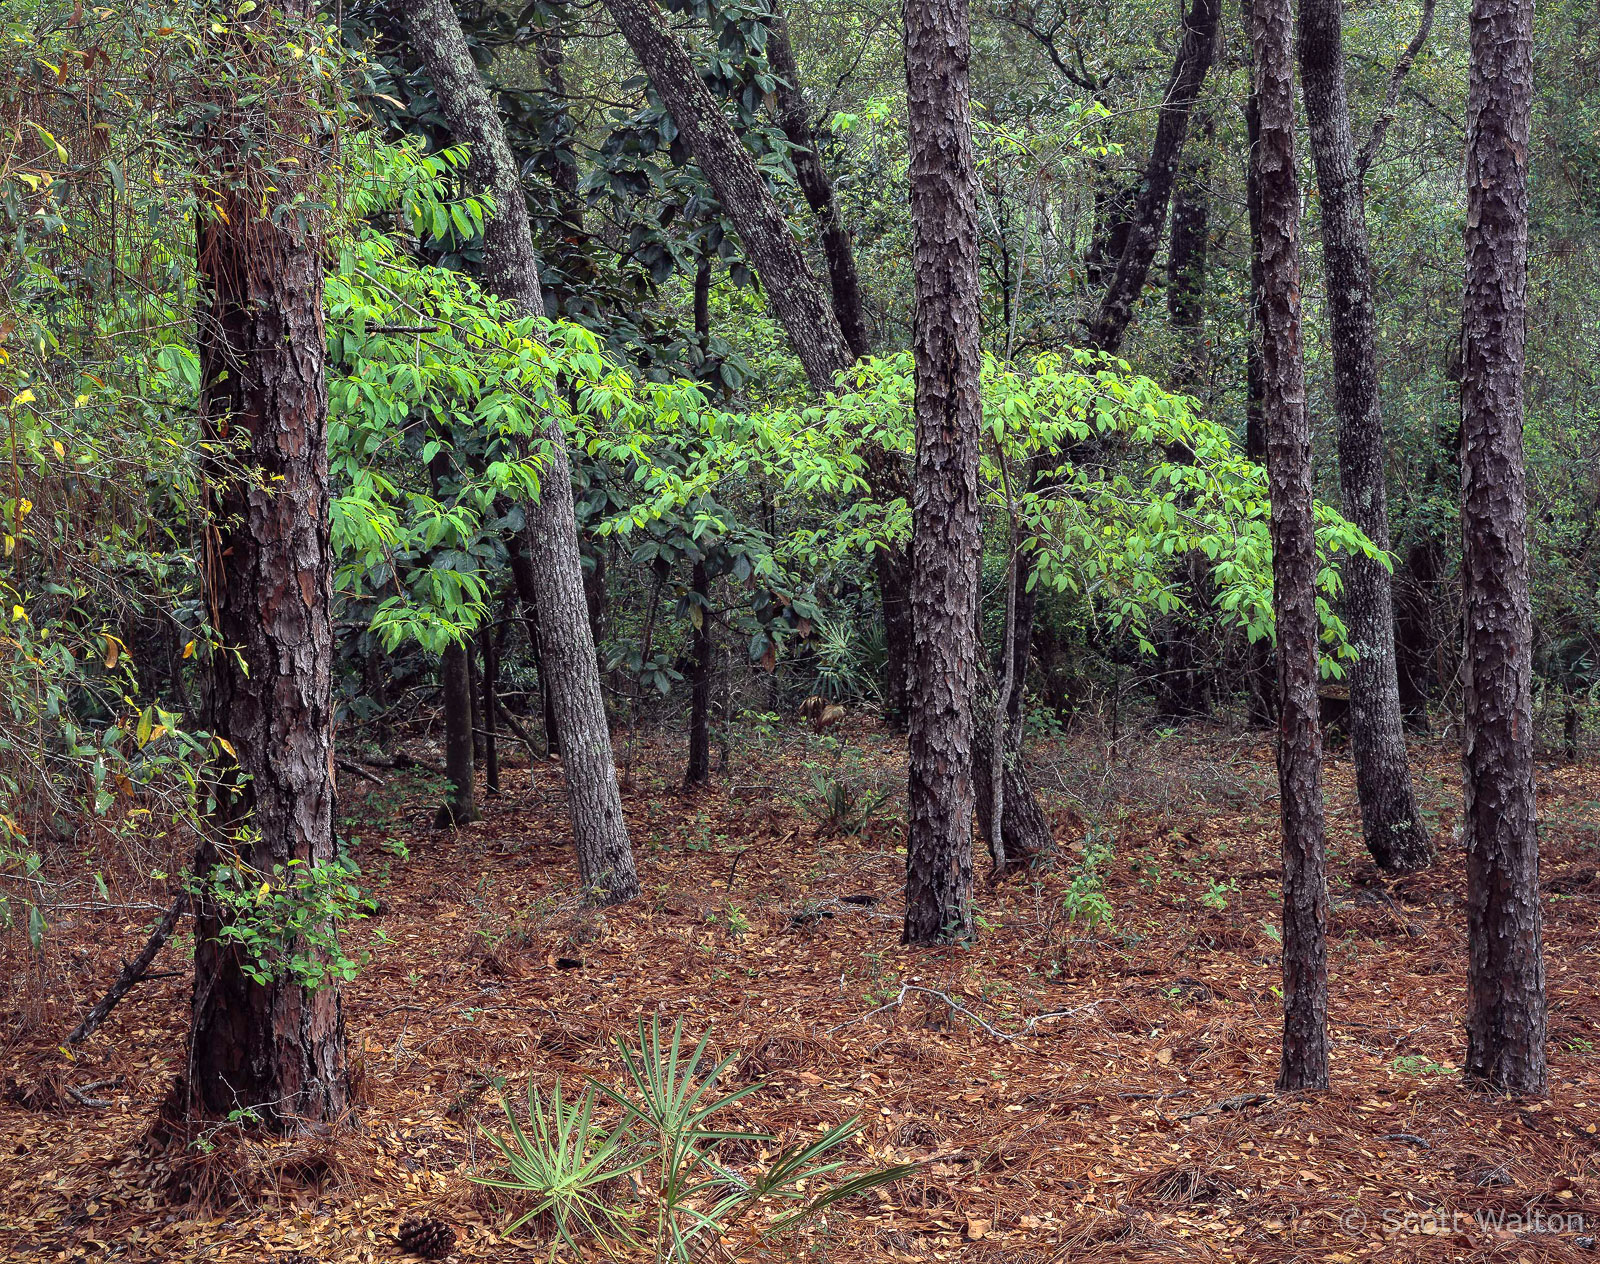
1134	1120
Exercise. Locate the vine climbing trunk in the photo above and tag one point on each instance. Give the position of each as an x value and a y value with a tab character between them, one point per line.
1506	1014
1304	1063
1390	821
273	1046
568	661
945	541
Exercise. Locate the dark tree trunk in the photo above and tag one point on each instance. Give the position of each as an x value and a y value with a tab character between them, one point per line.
522	577
793	293
1414	630
1294	560
460	806
1186	255
1149	213
605	860
1395	834
1261	687
796	299
946	540
488	710
1133	231
474	696
1024	826
1506	1015
1255	433
698	771
794	116
277	1048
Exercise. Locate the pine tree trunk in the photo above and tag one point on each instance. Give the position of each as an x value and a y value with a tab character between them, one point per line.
1506	1016
460	806
1393	827
698	771
605	860
1294	560
946	540
277	1048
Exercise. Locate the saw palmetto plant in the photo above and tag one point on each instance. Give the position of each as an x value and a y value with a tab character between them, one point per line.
656	1178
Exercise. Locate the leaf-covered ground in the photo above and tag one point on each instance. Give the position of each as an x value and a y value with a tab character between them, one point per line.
1072	1091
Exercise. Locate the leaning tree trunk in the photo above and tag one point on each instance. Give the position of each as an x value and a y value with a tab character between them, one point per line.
276	1048
1506	1017
1294	560
795	297
1149	214
1139	234
605	859
1392	825
794	116
946	541
488	708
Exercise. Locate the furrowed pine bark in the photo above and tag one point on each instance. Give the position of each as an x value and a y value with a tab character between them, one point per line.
946	541
1506	1015
1390	822
793	294
275	1048
568	663
1304	1062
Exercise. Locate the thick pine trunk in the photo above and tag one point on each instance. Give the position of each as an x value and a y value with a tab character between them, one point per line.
605	860
1506	1017
460	806
946	541
1294	559
1392	825
277	1048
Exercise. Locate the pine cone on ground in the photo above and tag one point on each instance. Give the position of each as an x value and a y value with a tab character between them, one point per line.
422	1235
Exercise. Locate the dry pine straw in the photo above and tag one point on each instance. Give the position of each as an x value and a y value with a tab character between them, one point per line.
1097	1137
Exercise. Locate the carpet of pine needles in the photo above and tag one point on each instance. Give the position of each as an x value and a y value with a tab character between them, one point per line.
1137	1121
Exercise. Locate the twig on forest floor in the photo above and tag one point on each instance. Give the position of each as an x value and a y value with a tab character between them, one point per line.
81	1092
133	971
1027	1027
1230	1104
356	770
